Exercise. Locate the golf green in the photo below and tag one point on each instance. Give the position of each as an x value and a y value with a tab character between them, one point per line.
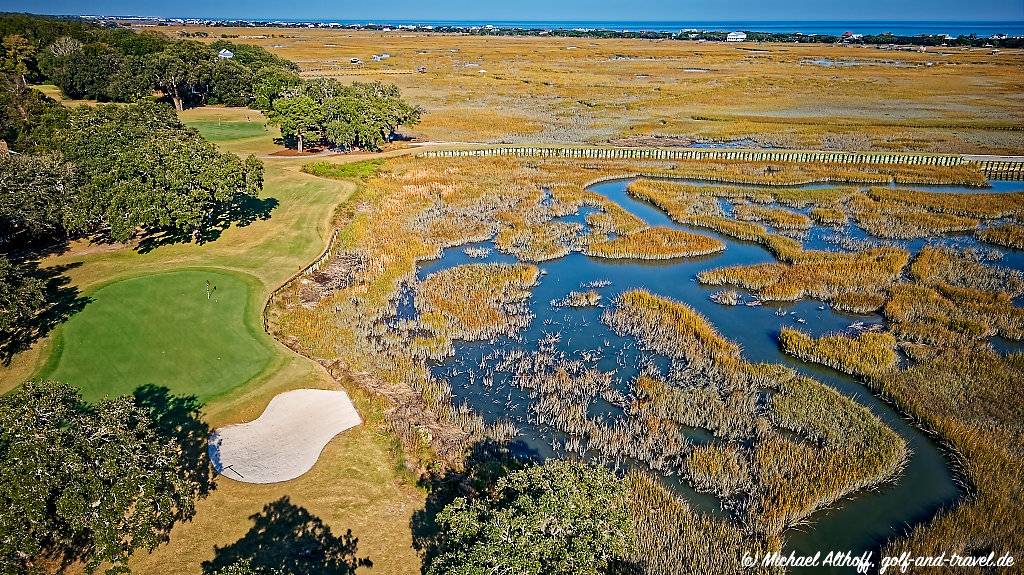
223	131
163	329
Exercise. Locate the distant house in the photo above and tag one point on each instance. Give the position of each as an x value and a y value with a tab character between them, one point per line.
736	37
225	54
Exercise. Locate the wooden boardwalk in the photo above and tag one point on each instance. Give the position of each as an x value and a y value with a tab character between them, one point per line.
995	167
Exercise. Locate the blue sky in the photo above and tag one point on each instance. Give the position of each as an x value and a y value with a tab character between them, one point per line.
652	10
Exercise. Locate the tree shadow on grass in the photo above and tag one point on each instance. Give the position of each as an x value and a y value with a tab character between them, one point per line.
289	540
61	301
241	212
178	418
487	462
177	423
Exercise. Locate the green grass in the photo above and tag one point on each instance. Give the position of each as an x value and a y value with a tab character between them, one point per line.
161	329
148	303
354	170
225	131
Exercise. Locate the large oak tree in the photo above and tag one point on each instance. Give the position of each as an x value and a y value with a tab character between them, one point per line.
558	518
139	167
91	483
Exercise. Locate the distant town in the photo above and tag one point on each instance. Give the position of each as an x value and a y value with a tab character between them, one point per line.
692	34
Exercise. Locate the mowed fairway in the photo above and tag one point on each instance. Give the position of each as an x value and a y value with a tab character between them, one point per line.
163	330
149	322
225	131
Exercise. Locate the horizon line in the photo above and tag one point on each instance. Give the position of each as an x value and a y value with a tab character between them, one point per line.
526	20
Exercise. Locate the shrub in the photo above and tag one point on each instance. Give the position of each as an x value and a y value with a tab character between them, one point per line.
558	518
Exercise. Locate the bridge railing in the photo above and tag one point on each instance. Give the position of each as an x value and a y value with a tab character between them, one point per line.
998	169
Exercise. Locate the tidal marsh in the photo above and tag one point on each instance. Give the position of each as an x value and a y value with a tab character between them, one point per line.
668	392
546	89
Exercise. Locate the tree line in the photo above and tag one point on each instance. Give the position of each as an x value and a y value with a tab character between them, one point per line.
85	60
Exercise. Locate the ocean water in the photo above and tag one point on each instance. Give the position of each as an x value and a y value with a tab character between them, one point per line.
899	28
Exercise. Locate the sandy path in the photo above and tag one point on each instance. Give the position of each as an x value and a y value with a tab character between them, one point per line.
286	440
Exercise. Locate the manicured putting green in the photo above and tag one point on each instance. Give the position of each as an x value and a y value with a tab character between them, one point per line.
218	131
161	329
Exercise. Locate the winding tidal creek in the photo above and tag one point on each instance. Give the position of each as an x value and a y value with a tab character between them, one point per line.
480	376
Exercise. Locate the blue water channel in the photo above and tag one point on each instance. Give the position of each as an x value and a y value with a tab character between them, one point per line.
862	522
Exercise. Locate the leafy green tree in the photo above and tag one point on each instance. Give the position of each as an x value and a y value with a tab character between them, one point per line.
39	200
43	31
231	83
21	297
558	518
300	117
269	83
18	52
28	119
254	57
87	483
83	73
139	167
132	43
355	116
182	71
131	81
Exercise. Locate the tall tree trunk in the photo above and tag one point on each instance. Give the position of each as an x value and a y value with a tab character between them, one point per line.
178	104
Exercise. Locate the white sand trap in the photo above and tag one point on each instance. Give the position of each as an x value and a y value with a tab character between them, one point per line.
286	440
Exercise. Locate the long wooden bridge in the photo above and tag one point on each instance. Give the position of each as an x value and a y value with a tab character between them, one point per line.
995	167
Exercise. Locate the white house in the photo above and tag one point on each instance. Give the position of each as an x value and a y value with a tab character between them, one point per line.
225	53
736	37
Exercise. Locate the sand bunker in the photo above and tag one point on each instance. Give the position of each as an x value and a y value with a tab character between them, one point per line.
286	440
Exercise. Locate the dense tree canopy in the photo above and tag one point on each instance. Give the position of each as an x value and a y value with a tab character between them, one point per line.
355	116
269	84
28	119
182	70
21	296
90	483
139	167
300	117
558	518
39	199
17	54
254	57
119	65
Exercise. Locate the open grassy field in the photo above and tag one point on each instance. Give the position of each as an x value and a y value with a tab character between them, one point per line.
519	89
